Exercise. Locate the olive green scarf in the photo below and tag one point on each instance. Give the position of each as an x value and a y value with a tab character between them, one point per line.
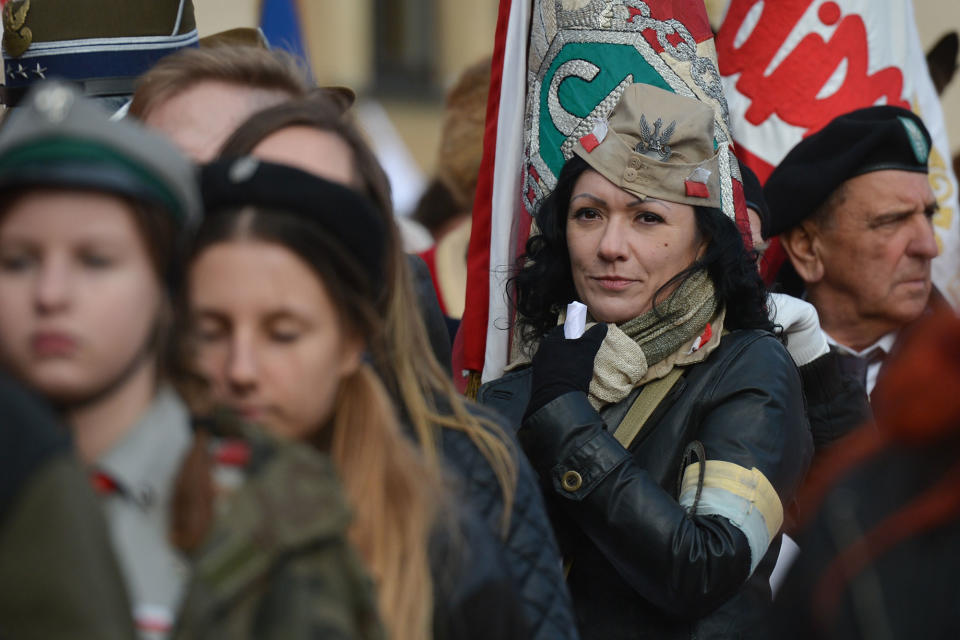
649	346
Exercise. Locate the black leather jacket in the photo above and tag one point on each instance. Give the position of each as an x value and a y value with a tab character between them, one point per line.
643	567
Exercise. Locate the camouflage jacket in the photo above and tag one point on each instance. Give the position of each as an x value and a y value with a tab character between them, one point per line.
277	563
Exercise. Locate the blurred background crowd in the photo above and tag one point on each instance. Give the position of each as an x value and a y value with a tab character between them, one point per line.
415	319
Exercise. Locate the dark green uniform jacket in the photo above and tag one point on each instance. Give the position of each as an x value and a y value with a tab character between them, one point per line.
58	576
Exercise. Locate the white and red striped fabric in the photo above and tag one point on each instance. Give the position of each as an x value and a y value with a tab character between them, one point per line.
495	232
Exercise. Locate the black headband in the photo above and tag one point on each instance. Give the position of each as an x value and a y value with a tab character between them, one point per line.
340	211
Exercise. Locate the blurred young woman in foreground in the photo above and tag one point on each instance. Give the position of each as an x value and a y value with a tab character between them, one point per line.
91	215
282	284
454	436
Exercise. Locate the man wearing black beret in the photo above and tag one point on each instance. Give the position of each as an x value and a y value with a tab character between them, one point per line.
853	206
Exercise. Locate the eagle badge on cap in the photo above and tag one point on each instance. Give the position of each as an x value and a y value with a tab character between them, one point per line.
54	102
243	169
654	140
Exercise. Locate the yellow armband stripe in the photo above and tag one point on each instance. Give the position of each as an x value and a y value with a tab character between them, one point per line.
743	496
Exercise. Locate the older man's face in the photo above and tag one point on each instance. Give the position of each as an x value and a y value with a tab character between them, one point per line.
876	250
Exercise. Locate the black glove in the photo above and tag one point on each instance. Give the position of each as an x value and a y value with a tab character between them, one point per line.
561	366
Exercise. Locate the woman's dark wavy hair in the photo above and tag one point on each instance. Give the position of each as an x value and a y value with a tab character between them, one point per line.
544	283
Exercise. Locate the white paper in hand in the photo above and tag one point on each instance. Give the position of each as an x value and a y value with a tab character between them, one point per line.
576	320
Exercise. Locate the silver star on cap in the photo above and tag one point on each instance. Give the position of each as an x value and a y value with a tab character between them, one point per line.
54	102
40	71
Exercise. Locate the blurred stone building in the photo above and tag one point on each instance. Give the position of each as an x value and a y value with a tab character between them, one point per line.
401	53
404	53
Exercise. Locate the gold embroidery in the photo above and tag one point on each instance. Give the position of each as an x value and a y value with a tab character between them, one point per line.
16	35
946	218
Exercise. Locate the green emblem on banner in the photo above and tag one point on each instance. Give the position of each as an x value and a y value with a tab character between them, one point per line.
580	78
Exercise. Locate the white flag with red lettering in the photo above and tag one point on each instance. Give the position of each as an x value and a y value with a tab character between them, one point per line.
791	66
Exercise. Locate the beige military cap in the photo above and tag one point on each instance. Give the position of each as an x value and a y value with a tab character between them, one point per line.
657	144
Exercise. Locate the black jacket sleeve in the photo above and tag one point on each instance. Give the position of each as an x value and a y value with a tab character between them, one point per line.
686	564
836	404
58	575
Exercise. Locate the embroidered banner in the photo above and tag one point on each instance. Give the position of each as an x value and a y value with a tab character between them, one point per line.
791	66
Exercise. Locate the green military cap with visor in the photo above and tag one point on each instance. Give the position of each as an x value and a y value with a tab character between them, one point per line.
58	138
657	144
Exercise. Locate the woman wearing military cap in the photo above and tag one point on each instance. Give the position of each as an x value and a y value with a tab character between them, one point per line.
91	212
670	436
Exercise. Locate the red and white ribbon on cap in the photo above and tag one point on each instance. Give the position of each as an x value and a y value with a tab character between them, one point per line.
702	339
593	139
696	183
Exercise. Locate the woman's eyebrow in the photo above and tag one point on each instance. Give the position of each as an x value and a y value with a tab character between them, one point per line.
649	200
599	201
285	313
633	203
211	313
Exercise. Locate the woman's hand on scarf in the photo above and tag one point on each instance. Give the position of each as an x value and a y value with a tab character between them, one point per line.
561	366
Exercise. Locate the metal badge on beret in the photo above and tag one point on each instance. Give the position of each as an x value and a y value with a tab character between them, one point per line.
673	159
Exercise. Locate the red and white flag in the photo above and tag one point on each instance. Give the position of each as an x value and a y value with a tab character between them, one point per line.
495	234
791	66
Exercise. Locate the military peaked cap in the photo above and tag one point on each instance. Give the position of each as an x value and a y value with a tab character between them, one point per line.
58	138
102	45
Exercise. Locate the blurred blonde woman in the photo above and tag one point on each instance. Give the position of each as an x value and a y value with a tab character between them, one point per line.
495	479
281	289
